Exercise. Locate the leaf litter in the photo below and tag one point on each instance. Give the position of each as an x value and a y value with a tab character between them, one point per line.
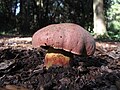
21	68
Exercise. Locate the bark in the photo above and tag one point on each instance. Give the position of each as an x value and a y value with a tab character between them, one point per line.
38	16
99	20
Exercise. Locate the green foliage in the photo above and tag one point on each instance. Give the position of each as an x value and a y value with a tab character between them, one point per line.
113	19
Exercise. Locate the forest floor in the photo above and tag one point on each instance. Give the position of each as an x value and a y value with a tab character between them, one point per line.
21	68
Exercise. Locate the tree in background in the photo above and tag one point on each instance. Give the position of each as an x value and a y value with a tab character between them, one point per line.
35	14
7	20
99	19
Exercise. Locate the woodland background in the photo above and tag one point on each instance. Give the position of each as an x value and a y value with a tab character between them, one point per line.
24	17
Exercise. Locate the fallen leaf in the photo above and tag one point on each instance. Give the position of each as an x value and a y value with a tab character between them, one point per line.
14	87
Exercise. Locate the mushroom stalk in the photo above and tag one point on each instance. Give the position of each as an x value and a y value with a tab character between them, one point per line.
57	57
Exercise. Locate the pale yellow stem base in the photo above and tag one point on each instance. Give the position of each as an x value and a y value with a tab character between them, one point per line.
56	59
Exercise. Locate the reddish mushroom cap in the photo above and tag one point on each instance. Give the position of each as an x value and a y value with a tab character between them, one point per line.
67	36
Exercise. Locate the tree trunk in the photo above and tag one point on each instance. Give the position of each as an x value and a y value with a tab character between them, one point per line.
99	20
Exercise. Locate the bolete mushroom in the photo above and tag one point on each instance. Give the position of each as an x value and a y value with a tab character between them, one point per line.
62	41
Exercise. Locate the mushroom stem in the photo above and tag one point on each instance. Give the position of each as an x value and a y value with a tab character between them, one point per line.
57	57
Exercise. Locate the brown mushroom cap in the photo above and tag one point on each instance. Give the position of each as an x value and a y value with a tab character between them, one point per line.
67	36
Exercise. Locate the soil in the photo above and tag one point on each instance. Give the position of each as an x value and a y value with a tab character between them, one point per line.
21	68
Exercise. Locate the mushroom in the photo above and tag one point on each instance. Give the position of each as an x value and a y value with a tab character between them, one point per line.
62	41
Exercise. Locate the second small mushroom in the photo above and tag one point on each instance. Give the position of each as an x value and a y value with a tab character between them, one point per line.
62	41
